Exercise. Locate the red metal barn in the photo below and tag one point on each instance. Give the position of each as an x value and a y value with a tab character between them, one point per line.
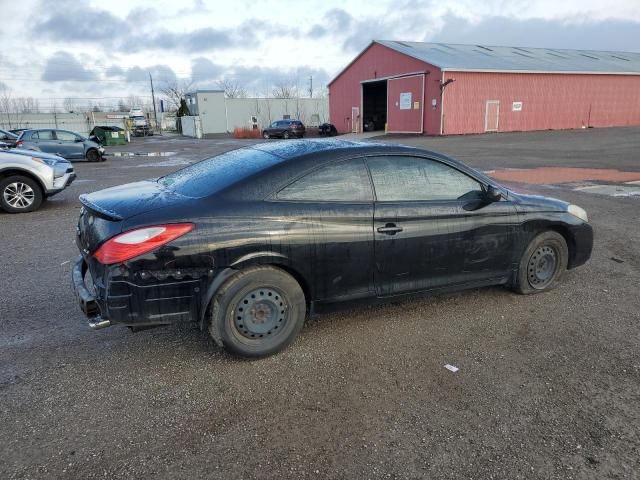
435	89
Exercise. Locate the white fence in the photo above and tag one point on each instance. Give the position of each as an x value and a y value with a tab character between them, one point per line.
191	126
247	112
81	123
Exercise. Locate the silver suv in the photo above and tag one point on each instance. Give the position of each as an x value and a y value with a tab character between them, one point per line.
28	177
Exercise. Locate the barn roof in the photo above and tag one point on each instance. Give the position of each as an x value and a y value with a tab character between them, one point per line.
485	58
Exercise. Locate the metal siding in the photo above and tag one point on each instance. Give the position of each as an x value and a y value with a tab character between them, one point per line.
550	101
404	121
379	61
451	56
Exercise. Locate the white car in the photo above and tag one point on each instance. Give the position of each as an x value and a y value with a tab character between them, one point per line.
28	177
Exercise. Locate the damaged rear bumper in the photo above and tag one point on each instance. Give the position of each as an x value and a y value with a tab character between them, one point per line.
86	299
138	299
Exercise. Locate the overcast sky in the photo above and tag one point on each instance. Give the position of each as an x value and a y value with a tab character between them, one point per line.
84	48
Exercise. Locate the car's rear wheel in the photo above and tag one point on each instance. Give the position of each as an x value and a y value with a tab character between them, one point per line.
543	263
93	155
285	135
258	311
266	136
20	194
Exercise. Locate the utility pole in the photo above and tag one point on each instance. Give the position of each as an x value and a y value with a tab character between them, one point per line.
153	98
310	86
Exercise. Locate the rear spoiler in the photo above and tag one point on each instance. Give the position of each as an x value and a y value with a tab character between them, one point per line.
103	212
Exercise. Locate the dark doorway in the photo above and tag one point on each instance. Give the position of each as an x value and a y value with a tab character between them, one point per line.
374	105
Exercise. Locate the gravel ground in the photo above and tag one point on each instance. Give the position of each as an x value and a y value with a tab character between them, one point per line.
548	386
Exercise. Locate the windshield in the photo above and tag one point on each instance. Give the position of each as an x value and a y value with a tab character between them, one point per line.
216	173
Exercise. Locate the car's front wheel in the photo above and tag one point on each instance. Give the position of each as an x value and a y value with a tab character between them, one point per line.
285	135
543	263
258	311
20	194
266	136
93	155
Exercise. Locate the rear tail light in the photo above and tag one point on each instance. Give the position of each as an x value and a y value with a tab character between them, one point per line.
137	242
19	143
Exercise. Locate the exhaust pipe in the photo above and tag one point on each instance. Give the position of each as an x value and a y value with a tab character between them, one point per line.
98	323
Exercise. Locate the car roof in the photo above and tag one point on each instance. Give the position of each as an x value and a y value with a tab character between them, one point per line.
290	149
306	154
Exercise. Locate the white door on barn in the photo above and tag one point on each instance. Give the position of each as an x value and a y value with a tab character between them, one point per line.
355	119
492	116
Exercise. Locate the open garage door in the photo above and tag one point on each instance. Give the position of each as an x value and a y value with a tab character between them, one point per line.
405	98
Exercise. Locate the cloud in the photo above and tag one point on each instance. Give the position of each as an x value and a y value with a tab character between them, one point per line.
204	70
114	71
63	66
580	34
256	79
160	73
400	21
79	22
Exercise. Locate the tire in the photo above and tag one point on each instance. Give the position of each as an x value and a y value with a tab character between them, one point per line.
20	194
93	155
285	135
266	136
543	264
257	312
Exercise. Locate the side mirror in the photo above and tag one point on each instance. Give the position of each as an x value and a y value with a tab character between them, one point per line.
79	139
493	194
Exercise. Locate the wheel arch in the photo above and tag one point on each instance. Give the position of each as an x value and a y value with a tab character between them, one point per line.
272	260
536	227
9	172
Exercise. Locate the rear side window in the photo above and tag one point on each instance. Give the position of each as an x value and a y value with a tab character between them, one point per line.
43	135
398	178
341	182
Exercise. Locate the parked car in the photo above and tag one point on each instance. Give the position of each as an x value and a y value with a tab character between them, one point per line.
27	178
8	138
66	144
247	242
328	130
285	129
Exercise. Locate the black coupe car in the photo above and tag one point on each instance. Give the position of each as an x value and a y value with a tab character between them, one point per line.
247	242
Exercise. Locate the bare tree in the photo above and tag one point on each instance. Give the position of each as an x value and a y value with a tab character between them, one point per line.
284	90
320	92
8	113
69	104
176	91
232	89
134	101
27	105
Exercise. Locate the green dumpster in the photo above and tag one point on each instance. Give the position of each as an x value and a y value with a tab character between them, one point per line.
108	135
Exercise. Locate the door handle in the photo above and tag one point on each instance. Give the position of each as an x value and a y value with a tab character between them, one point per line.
390	229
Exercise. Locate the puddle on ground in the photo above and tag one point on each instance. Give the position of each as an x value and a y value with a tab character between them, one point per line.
140	154
628	190
554	175
175	162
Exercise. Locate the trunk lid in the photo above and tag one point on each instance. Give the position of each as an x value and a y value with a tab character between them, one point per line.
104	212
125	201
